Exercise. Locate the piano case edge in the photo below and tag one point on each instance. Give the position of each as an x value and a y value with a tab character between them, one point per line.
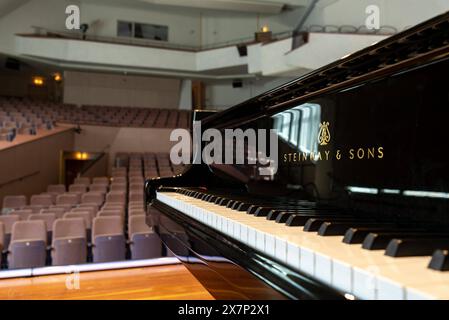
283	281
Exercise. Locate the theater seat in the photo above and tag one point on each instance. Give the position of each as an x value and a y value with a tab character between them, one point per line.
58	212
85	215
56	188
77	188
144	243
70	199
82	180
99	188
27	248
93	197
8	221
108	239
48	218
69	244
100	180
116	196
23	213
14	202
45	200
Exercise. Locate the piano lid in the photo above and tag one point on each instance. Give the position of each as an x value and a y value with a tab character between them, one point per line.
415	46
374	145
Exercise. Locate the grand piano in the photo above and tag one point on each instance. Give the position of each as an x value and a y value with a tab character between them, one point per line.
357	205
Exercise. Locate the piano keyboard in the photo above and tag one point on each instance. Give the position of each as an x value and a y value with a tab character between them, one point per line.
349	268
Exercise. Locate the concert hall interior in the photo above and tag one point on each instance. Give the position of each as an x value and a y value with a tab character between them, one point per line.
224	149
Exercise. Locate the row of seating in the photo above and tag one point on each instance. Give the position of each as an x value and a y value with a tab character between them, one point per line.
99	220
152	164
24	113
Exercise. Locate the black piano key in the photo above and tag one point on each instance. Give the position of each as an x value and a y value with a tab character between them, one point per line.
314	224
296	220
415	247
282	217
273	214
358	234
334	228
440	260
230	203
252	209
380	240
242	206
262	211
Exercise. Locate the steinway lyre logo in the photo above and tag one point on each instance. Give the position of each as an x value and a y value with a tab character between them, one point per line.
324	136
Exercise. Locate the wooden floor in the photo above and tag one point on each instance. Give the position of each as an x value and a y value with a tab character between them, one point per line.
164	282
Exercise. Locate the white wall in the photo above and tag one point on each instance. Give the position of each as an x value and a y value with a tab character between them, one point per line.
185	96
221	95
397	13
44	13
120	90
183	24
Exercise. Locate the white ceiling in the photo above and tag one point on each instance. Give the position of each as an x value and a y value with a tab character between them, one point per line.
6	6
228	5
256	6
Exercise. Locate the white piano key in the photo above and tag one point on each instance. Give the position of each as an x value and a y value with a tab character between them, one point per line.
413	294
244	234
293	256
281	249
365	284
230	230
252	237
389	290
224	224
323	268
236	233
341	276
307	262
260	240
270	245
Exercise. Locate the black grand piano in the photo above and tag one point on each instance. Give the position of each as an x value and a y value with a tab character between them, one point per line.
357	205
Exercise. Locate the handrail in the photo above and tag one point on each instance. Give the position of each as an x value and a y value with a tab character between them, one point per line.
41	31
19	178
95	161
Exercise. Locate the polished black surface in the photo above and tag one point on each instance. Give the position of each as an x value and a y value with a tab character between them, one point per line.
361	154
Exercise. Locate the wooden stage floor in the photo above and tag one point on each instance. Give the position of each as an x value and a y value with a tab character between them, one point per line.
172	282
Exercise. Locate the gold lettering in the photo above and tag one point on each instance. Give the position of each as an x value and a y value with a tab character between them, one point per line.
338	155
327	154
304	156
285	157
319	156
358	153
351	154
371	153
380	150
294	157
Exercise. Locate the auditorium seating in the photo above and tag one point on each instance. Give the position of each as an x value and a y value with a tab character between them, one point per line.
25	116
108	239
28	246
111	210
141	237
69	244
